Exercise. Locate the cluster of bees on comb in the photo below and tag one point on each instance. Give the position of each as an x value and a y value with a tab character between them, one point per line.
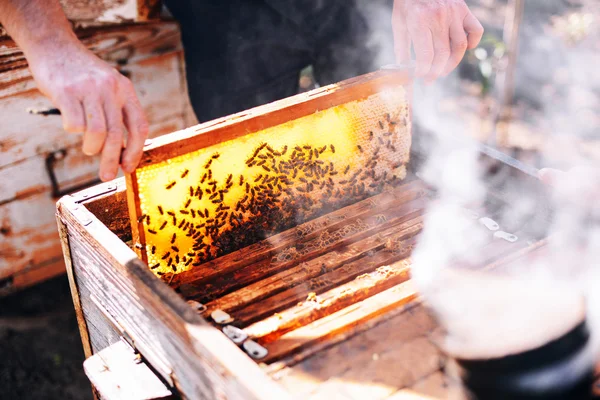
281	187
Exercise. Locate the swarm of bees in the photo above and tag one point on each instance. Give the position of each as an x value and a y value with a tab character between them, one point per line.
281	188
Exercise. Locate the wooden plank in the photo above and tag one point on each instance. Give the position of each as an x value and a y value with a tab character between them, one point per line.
335	299
334	257
407	394
262	252
117	372
83	329
182	348
28	235
118	45
350	270
377	352
342	249
112	11
434	386
339	321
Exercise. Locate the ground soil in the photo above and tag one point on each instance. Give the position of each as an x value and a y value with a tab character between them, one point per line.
40	349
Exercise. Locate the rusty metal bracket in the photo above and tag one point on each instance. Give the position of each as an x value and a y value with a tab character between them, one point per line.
57	191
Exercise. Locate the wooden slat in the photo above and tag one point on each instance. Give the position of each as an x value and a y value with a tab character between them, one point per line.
335	299
344	250
345	273
117	373
386	352
333	258
262	252
341	320
102	11
28	236
407	394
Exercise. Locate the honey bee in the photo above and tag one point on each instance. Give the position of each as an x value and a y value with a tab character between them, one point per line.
380	124
215	156
187	203
175	249
208	163
166	255
170	185
241	180
184	212
163	226
346	169
185	173
359	147
332	147
152	231
160	210
155	266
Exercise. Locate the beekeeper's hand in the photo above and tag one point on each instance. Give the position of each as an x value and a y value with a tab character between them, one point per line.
440	31
94	99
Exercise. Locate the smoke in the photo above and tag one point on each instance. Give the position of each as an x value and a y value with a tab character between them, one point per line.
541	296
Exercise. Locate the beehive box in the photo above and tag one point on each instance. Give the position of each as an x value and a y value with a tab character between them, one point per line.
51	164
293	222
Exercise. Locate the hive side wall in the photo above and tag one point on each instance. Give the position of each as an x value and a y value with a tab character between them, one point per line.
116	295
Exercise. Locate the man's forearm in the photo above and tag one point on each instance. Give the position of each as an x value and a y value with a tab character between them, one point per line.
37	26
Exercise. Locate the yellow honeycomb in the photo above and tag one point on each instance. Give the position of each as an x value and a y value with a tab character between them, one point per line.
209	202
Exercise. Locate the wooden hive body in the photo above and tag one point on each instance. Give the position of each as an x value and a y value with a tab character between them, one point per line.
330	298
51	164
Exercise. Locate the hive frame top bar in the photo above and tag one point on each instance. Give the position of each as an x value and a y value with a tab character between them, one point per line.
269	115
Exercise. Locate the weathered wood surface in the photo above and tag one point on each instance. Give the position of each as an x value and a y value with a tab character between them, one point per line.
118	373
355	313
260	255
151	56
99	12
307	267
187	352
374	364
349	270
110	11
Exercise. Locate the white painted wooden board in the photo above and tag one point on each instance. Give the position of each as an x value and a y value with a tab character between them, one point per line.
29	240
117	373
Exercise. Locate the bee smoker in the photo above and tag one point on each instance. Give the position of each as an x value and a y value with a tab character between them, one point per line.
561	369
